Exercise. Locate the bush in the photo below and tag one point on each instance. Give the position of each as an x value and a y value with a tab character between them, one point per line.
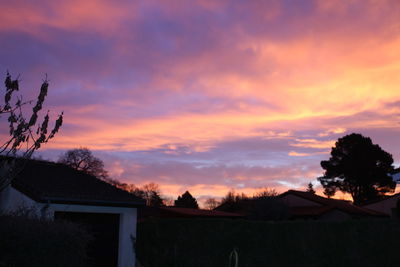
41	243
258	243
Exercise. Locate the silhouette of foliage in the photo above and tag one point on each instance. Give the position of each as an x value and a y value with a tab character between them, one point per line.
154	200
82	159
26	133
168	201
232	202
310	188
149	192
265	192
186	201
131	188
211	203
24	239
264	205
329	192
358	167
152	195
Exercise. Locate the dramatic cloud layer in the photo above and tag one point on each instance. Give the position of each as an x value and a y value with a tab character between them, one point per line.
210	95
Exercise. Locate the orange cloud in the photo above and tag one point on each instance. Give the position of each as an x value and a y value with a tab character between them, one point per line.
313	143
339	130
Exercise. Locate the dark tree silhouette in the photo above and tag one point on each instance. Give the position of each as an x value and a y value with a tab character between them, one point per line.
211	203
265	192
186	201
152	195
329	192
155	200
26	133
149	192
82	159
310	188
358	167
232	202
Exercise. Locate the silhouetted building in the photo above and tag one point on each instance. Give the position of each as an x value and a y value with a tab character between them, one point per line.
305	205
388	205
53	190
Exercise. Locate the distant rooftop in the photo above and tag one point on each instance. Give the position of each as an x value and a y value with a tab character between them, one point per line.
328	204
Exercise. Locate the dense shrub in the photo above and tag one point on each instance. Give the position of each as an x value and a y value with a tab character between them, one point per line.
41	243
209	243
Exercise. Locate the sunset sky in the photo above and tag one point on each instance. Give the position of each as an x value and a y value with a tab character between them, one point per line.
208	95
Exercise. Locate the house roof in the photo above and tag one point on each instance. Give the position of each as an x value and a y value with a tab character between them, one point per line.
50	182
342	205
380	199
309	211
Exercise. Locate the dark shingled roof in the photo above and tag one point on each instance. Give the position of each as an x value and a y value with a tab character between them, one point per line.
309	211
57	183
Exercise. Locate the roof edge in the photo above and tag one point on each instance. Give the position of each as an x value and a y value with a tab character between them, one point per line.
91	202
88	202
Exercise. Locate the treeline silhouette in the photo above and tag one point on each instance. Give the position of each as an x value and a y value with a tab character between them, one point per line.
356	166
83	159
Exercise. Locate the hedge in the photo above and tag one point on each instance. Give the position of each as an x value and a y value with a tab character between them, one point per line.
41	243
200	242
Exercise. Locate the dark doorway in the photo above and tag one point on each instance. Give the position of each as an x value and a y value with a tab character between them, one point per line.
104	228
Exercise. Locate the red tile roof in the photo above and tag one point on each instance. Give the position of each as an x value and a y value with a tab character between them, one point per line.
330	203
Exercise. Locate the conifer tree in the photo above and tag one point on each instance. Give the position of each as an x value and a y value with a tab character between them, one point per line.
186	201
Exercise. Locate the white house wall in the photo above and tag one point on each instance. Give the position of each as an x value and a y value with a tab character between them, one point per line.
127	239
127	227
13	200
